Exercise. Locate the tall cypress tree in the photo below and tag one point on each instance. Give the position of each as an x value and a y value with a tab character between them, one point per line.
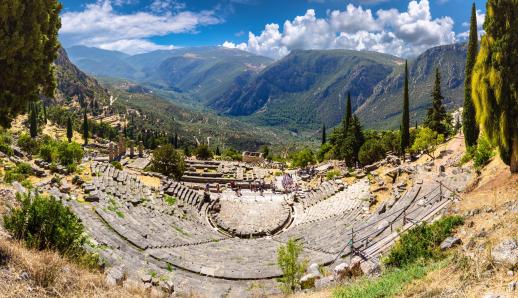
85	128
33	120
470	127
437	116
405	121
28	47
348	115
495	79
69	129
324	137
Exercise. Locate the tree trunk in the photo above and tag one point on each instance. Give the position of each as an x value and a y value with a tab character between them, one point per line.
514	156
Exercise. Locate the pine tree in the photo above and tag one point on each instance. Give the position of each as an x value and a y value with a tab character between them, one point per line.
33	120
69	129
324	137
44	114
28	47
495	79
437	116
176	141
405	121
470	127
218	153
85	128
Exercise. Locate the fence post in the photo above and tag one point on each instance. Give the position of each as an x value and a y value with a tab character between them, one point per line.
352	245
404	217
440	190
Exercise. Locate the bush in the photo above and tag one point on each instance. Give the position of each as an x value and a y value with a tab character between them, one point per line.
325	152
232	154
303	158
422	242
470	151
427	141
44	223
117	165
292	268
64	153
19	173
5	142
332	174
168	162
371	151
483	153
28	144
203	152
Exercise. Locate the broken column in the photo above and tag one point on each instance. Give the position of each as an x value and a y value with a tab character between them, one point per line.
140	149
110	152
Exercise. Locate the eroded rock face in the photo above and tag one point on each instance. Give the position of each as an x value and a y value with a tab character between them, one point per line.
506	253
450	242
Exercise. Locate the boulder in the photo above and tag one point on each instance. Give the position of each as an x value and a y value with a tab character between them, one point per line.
324	282
371	268
450	242
341	271
506	253
167	286
19	188
114	276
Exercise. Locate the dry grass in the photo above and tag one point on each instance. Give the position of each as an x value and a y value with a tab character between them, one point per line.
51	275
150	181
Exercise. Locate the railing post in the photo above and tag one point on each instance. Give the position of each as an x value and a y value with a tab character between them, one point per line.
440	190
404	217
352	245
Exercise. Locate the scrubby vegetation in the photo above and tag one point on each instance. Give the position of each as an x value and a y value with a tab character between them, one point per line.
166	160
203	152
422	242
19	173
44	223
62	153
302	158
292	268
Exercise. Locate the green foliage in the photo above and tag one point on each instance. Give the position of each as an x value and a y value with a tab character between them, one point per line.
168	161
292	268
85	128
389	284
422	242
231	154
325	152
332	174
348	115
169	200
203	152
70	131
371	151
495	79
266	152
302	158
28	47
470	126
33	120
324	136
437	119
427	141
19	173
5	142
64	153
28	144
217	152
405	119
468	155
117	165
483	153
44	223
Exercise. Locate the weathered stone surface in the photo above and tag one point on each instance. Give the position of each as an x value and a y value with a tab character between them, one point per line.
324	282
450	242
370	268
114	276
506	253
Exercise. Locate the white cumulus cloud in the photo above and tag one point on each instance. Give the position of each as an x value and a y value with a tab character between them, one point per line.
406	33
99	25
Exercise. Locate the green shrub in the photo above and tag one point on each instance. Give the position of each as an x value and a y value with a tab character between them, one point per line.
166	160
64	153
325	152
371	151
44	223
117	165
19	173
483	153
28	144
470	152
232	154
170	200
303	158
5	142
292	268
422	242
49	152
332	174
203	152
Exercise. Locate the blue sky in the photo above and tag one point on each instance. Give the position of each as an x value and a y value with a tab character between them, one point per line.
267	27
